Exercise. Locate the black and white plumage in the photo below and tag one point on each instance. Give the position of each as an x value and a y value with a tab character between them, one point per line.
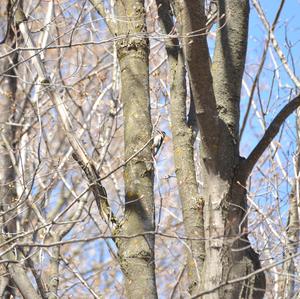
157	141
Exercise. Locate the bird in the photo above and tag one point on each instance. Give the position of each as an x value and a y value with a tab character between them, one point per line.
157	141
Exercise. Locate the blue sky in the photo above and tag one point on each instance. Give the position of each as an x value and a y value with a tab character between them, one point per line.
287	33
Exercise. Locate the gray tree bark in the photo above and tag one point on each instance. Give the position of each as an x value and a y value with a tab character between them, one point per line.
216	92
192	203
136	253
222	263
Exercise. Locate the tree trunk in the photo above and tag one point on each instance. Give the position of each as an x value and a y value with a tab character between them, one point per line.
216	93
8	192
229	256
183	146
288	281
136	253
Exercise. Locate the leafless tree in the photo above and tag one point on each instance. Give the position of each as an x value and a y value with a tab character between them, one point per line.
88	209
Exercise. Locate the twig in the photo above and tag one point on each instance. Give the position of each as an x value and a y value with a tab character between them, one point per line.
81	279
80	155
246	277
270	133
274	41
128	160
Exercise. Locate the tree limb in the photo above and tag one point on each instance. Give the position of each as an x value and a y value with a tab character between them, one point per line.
273	39
98	5
193	19
184	151
80	155
22	282
262	62
228	65
270	133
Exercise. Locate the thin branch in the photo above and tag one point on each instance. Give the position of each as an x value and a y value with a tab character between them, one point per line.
81	279
246	277
274	42
80	155
270	133
253	88
177	282
278	14
263	59
128	160
98	5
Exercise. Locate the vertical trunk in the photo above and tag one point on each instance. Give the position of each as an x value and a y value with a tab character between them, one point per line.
192	204
8	193
287	285
136	253
192	17
53	276
228	254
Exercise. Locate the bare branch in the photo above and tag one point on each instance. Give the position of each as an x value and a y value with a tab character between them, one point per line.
98	5
270	133
274	41
80	155
253	87
22	282
80	278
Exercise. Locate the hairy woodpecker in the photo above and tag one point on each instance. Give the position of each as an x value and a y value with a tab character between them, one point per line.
157	141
